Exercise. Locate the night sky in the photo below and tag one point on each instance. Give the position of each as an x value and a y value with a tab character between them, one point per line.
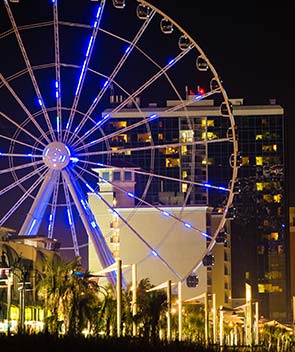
252	48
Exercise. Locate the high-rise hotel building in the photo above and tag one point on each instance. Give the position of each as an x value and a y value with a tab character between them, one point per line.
259	239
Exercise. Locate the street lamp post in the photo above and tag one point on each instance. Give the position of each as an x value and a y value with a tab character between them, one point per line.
119	296
179	311
7	278
169	293
134	298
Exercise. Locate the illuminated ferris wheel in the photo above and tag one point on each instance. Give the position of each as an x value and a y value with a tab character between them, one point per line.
67	73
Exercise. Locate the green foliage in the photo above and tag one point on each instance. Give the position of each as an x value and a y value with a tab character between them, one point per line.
70	301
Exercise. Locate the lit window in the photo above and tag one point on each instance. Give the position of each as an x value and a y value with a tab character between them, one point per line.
160	136
259	137
183	150
184	174
120	138
209	136
277	198
259	186
245	160
259	160
144	137
208	161
268	198
186	136
184	187
270	148
119	124
172	162
274	236
171	150
209	123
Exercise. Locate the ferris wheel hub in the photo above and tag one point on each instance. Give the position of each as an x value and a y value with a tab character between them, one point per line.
56	155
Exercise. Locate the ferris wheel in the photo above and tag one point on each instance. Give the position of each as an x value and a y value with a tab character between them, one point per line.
86	86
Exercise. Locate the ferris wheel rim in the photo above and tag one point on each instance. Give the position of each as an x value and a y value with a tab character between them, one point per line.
230	196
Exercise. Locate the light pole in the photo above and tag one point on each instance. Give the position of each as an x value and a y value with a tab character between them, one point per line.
134	298
168	284
169	293
248	315
117	266
179	311
7	278
119	296
206	313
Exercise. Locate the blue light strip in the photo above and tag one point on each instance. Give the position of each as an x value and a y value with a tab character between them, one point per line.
81	76
165	213
69	217
32	226
89	48
57	89
89	187
153	117
57	123
207	185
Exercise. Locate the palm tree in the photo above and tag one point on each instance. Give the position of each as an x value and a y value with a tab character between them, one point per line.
51	289
107	313
194	323
150	307
80	302
70	299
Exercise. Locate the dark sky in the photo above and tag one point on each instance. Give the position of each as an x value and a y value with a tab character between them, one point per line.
252	48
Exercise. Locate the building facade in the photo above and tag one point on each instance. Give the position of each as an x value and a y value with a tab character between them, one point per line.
259	234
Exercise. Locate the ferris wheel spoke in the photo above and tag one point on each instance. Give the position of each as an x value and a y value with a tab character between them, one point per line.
21	200
131	97
16	97
52	215
151	147
35	215
98	16
133	230
30	69
21	180
143	201
152	79
71	219
91	227
22	128
197	97
111	78
15	155
20	167
16	141
151	174
57	71
145	120
133	126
